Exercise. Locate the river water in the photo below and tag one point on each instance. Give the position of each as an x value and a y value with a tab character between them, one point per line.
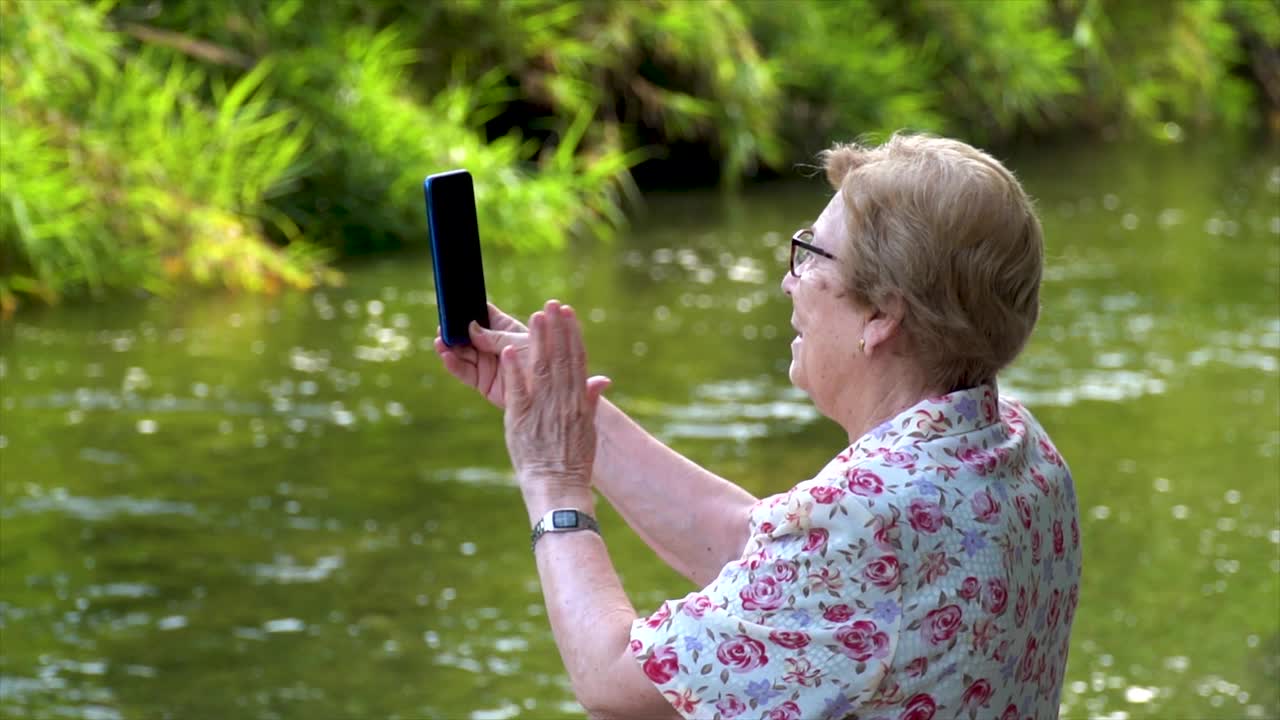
243	507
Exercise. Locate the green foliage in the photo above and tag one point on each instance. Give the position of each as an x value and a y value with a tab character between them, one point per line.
152	143
115	174
1152	64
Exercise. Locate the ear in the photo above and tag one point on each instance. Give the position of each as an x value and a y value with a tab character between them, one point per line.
884	324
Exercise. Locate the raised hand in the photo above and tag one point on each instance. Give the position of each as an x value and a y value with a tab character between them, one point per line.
478	365
551	405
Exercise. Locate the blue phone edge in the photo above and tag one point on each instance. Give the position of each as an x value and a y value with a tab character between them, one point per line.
435	270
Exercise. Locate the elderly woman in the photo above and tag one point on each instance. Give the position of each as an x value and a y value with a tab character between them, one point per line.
929	570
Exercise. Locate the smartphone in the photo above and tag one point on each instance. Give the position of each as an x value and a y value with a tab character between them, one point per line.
455	254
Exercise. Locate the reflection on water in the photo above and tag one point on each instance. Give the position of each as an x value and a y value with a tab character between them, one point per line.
282	508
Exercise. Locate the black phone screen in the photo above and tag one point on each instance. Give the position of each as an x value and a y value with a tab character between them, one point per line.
455	254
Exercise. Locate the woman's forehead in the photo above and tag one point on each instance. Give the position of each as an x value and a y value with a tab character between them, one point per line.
830	224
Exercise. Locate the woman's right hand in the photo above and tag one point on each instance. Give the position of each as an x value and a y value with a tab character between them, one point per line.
478	364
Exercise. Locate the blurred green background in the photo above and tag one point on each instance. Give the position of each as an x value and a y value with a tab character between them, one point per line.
160	144
267	503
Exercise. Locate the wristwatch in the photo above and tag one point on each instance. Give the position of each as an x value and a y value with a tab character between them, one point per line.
562	520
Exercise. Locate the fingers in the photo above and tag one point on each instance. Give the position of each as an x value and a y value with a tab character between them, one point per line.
539	332
574	349
558	333
499	320
515	387
456	365
493	341
596	385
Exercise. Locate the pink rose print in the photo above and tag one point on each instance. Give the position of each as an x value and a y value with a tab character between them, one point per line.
1075	533
934	566
1020	608
766	528
986	509
918	667
838	613
730	707
886	531
658	617
925	516
1010	712
783	571
929	422
1024	510
995	596
826	577
1035	547
742	654
786	711
1072	596
682	702
801	673
792	640
969	588
1002	455
697	606
826	494
863	640
635	646
897	459
1038	479
1002	651
763	594
662	665
941	625
757	559
1055	607
864	483
817	540
983	631
920	707
990	408
1050	452
1027	667
977	694
1017	426
978	460
883	572
1058	544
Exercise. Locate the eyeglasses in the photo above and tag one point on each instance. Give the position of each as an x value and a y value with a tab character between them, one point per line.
803	249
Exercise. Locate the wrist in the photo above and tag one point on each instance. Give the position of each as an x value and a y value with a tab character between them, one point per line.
541	500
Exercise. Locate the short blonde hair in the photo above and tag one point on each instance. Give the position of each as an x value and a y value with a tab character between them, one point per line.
950	231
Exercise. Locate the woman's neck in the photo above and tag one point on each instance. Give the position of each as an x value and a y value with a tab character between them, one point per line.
880	398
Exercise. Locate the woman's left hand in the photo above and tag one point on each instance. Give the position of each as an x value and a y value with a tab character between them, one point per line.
551	409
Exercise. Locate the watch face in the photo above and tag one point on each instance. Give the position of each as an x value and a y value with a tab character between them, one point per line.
564	519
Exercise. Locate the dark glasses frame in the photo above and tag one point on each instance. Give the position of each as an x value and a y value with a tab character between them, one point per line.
797	242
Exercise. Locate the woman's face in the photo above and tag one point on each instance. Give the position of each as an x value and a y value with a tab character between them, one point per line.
824	353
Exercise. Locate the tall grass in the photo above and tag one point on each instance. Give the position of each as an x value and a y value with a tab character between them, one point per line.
116	173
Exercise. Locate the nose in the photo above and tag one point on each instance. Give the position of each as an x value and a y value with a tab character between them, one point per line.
788	282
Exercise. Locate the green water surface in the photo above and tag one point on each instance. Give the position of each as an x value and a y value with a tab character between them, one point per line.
279	508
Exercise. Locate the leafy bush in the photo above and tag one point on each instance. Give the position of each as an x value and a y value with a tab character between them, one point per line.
155	143
115	174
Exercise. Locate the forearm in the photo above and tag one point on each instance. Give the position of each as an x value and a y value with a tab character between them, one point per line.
693	519
591	618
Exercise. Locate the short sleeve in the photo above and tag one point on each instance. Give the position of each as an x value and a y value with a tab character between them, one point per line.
804	625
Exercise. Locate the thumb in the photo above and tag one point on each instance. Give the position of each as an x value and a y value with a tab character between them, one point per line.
493	341
596	385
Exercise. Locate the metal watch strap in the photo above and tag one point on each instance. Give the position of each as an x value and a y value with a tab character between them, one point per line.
563	520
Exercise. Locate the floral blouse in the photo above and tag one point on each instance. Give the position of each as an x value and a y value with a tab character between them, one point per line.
931	570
